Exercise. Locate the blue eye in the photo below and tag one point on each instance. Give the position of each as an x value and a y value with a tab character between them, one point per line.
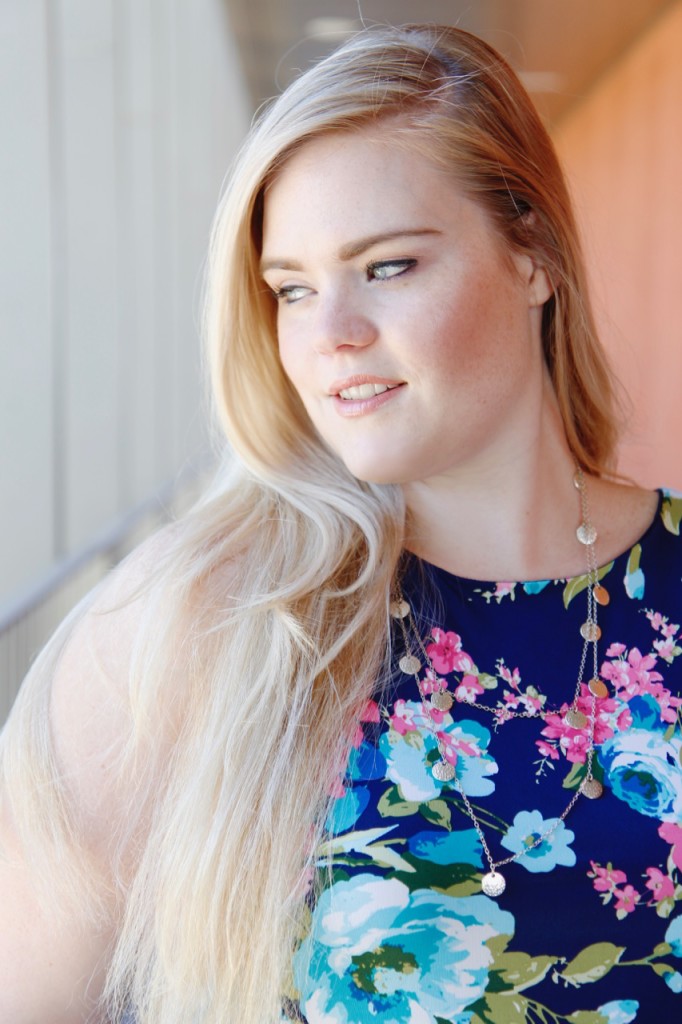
383	270
290	293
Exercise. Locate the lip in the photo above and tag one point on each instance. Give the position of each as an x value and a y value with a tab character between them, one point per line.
361	406
361	378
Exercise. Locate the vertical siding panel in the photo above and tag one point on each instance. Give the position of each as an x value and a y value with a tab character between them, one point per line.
26	494
622	147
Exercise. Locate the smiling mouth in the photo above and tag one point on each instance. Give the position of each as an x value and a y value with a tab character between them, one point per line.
358	391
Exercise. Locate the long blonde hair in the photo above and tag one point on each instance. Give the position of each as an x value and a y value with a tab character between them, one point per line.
278	581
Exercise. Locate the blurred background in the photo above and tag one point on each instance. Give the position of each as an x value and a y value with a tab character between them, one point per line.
119	119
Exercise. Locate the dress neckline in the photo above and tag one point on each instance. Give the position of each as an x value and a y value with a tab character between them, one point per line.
532	585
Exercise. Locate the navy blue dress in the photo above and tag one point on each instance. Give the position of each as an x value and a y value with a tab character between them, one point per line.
589	928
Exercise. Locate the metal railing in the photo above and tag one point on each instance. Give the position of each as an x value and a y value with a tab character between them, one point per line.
28	621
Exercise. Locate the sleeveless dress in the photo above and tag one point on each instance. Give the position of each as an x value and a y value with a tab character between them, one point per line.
589	928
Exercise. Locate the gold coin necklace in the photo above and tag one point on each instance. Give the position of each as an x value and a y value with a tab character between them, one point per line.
493	882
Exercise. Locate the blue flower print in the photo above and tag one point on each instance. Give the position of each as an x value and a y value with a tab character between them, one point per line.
674	981
379	952
555	849
460	847
346	810
535	586
620	1011
634	584
366	763
634	577
643	769
409	756
673	935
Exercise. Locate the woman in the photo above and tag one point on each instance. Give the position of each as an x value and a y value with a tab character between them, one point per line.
297	755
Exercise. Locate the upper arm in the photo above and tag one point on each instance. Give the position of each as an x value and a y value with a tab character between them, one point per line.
52	965
70	819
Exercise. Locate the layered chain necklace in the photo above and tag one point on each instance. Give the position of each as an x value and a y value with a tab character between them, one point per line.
441	699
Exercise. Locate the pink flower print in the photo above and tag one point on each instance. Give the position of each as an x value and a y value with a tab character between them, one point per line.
463	662
661	886
670	629
633	676
665	649
615	650
453	743
502	589
358	737
624	720
468	689
606	879
573	742
443	650
667	703
575	747
640	667
547	750
337	788
656	619
512	679
616	672
433	683
672	834
402	719
371	712
627	900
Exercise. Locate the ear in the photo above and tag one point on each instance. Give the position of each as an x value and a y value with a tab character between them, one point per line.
536	279
539	285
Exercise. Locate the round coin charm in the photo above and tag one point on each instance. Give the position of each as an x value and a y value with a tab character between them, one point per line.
576	719
493	884
443	771
597	688
442	700
586	533
409	664
601	594
592	789
590	631
399	609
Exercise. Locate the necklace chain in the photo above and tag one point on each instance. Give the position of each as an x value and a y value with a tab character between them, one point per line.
493	883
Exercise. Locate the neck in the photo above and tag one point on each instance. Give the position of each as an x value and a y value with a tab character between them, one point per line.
510	514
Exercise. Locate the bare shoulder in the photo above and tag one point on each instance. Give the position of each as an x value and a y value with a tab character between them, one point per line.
622	514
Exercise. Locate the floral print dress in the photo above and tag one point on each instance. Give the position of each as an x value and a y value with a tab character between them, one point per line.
589	929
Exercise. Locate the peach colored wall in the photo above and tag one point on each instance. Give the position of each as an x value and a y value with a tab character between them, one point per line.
622	149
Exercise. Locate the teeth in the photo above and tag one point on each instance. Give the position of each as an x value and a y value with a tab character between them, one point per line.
365	391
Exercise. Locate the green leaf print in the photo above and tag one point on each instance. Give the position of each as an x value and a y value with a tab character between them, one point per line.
519	970
671	513
634	559
587	1017
576	585
437	812
592	963
487	681
579	771
392	805
501	1008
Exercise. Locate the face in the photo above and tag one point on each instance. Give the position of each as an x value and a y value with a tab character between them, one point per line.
409	332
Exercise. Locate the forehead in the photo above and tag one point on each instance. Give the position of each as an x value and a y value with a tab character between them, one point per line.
356	182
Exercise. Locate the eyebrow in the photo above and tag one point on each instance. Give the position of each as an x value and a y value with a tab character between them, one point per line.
352	249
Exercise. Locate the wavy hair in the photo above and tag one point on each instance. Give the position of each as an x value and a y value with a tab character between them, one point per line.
278	581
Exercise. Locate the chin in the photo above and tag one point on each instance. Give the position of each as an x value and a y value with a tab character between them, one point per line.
379	471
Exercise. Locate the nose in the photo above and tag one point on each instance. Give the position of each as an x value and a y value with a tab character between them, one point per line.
343	323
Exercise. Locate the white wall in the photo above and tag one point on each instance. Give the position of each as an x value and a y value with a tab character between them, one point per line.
118	120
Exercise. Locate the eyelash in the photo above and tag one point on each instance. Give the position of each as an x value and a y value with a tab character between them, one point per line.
403	264
284	294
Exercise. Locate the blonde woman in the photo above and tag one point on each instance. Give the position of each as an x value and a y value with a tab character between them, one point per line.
387	728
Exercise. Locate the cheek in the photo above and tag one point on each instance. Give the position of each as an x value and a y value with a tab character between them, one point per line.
296	364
